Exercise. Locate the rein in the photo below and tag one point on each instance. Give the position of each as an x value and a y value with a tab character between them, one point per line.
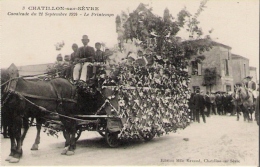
7	97
46	110
47	98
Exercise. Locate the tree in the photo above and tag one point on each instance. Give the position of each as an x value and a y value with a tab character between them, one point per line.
159	91
144	26
210	77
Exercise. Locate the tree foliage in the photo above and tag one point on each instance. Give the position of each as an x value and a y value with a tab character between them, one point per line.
210	77
155	97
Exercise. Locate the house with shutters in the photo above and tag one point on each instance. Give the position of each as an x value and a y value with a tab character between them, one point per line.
217	65
240	64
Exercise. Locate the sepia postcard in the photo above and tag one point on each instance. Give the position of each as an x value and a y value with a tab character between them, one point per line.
179	86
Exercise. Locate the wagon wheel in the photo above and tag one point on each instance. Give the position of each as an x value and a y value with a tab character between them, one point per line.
112	139
102	133
77	135
148	135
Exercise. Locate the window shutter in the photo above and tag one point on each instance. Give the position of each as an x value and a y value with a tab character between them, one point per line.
199	68
223	67
228	67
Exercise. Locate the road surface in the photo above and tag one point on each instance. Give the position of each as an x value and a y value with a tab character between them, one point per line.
221	141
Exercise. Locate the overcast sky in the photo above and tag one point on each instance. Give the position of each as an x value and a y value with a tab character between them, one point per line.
30	39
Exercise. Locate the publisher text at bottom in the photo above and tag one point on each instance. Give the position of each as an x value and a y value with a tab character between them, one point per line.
200	160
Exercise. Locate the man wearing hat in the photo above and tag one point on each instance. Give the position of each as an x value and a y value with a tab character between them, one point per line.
198	101
219	102
246	81
212	102
85	57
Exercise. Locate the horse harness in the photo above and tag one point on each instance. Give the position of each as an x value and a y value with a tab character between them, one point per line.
10	89
247	93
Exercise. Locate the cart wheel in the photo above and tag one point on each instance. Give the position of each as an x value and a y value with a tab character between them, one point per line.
112	139
102	133
148	136
77	135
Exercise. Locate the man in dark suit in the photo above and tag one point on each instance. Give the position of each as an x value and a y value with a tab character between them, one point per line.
213	103
84	59
207	103
198	101
73	55
191	107
219	103
100	55
225	103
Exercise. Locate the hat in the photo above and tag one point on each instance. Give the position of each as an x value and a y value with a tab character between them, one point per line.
85	37
59	55
249	77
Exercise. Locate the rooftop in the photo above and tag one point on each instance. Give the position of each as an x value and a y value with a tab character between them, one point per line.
208	42
252	68
234	56
220	44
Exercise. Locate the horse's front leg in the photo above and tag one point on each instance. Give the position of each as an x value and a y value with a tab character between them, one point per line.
246	114
72	146
67	141
36	143
18	137
13	143
237	111
25	129
250	113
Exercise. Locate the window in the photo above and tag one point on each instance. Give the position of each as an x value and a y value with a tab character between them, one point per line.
196	68
228	88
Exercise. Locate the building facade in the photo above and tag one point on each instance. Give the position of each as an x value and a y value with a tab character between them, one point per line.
217	59
240	65
253	73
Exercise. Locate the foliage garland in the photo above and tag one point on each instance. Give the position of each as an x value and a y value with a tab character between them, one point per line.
154	98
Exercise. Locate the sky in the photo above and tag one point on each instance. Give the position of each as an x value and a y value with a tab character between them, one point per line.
27	40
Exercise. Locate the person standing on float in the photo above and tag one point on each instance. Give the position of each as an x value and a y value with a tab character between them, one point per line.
85	58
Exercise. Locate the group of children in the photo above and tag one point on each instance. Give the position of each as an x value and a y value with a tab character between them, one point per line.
65	66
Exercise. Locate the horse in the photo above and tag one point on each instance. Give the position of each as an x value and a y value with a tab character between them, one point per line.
237	106
24	98
4	116
245	97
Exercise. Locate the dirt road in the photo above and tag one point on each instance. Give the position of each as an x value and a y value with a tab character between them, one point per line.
221	141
